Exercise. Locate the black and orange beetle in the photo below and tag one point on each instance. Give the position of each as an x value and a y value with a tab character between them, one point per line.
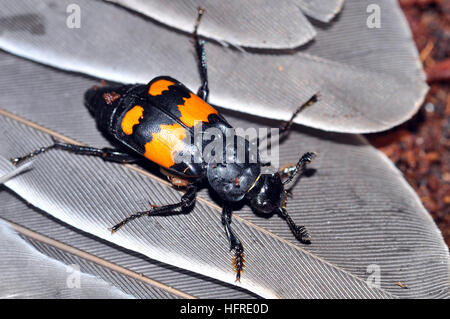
153	122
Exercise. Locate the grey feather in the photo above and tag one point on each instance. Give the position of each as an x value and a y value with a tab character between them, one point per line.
358	207
369	79
257	24
323	11
181	282
27	273
361	212
168	239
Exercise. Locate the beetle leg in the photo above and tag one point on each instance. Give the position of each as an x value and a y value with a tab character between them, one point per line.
187	200
108	154
287	169
175	180
178	181
235	243
306	158
203	91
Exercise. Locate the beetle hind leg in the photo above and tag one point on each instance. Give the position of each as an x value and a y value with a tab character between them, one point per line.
108	154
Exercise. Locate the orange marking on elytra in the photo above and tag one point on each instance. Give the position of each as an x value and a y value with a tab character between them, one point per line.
164	144
132	118
195	109
159	86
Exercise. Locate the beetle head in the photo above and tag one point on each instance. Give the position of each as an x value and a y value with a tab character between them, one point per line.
97	98
102	101
267	195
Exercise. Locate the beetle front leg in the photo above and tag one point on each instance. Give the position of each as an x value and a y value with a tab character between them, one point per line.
235	243
108	154
292	171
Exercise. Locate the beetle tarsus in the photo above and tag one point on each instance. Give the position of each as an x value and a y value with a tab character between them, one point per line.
235	243
238	262
300	232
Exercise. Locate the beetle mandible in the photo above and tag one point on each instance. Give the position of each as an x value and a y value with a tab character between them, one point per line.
152	121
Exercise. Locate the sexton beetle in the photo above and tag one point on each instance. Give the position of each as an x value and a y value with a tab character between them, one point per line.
152	121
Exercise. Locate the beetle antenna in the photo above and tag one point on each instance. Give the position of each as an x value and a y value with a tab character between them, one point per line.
18	160
286	127
203	91
300	232
305	159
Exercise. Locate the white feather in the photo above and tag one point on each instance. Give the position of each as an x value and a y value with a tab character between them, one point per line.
26	273
14	172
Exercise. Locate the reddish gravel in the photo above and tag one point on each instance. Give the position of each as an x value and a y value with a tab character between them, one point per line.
420	147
